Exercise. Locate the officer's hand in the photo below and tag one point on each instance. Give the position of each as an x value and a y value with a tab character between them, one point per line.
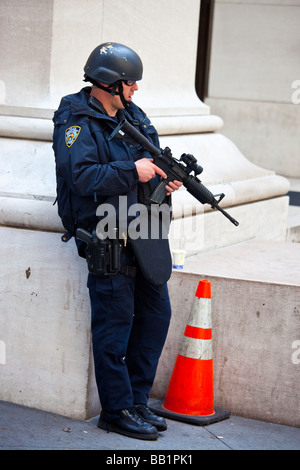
147	170
172	186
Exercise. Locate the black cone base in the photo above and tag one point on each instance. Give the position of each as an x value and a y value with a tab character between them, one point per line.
219	415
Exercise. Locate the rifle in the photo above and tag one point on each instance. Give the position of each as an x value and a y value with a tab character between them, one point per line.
175	169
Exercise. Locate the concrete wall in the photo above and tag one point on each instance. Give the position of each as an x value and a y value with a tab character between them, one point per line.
254	79
45	325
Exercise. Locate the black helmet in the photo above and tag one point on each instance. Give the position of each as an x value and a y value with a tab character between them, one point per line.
111	62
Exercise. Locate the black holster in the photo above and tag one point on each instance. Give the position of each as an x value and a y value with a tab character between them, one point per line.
102	255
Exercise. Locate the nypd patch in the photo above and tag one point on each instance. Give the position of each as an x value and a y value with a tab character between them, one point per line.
71	135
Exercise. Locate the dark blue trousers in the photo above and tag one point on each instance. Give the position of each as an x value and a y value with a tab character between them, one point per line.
130	321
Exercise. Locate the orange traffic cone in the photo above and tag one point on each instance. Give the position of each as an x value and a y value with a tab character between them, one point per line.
190	392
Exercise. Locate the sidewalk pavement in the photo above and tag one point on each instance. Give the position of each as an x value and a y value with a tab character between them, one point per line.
23	428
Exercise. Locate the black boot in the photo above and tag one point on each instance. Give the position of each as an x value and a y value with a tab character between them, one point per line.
129	423
151	418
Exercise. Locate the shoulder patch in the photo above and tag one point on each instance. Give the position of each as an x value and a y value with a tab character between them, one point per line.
71	135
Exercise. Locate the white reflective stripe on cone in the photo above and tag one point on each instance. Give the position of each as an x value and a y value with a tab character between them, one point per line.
202	320
196	348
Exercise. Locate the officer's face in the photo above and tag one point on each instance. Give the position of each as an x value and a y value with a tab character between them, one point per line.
128	91
113	103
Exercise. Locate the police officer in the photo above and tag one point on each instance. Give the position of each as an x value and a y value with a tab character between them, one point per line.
130	315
